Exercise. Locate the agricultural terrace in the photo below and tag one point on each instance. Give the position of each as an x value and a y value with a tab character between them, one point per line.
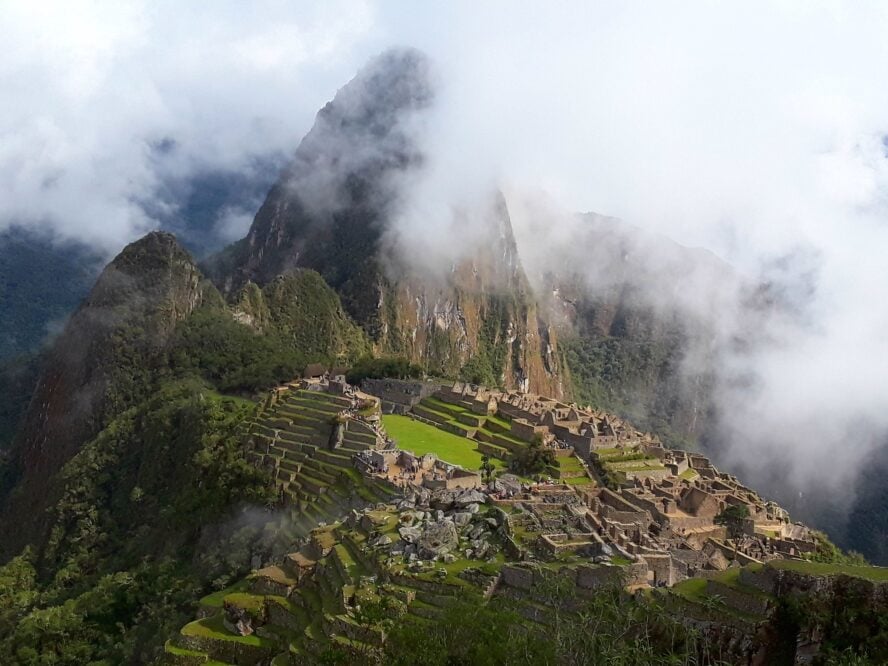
491	435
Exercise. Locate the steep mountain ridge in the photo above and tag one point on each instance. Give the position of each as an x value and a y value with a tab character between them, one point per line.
331	212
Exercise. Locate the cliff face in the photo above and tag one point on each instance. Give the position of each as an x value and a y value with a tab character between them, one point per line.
99	364
332	211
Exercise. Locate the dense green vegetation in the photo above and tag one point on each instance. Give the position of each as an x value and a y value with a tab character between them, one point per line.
142	525
609	628
161	505
867	526
233	356
486	366
18	377
532	459
370	367
41	282
638	379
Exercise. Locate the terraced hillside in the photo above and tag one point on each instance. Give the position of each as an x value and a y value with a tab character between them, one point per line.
350	584
331	597
619	464
307	441
493	435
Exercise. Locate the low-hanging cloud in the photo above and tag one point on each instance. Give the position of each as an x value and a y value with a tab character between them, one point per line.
755	130
105	102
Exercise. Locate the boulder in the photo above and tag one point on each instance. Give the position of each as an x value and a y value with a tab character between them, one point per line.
443	499
381	540
410	534
462	518
470	497
438	538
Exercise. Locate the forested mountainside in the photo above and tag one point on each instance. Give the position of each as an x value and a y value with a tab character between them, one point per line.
126	491
41	282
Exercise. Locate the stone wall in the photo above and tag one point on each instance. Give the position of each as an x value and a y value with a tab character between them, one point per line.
398	396
523	429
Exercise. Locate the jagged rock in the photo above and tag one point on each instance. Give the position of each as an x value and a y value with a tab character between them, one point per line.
462	518
422	497
439	515
406	505
507	483
476	532
410	534
382	540
443	499
448	558
438	538
470	497
492	522
472	508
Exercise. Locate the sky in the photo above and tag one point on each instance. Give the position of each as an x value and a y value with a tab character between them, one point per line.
753	129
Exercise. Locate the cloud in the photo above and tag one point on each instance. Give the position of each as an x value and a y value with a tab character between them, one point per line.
103	101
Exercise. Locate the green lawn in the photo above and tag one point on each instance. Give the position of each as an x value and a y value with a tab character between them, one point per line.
578	481
420	438
570	464
693	589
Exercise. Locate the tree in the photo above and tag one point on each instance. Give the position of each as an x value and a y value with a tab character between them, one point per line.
533	459
733	517
486	467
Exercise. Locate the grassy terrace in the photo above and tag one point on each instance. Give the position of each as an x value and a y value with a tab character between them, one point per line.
421	438
212	627
876	574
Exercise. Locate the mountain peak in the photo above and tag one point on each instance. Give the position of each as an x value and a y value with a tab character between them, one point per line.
118	331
